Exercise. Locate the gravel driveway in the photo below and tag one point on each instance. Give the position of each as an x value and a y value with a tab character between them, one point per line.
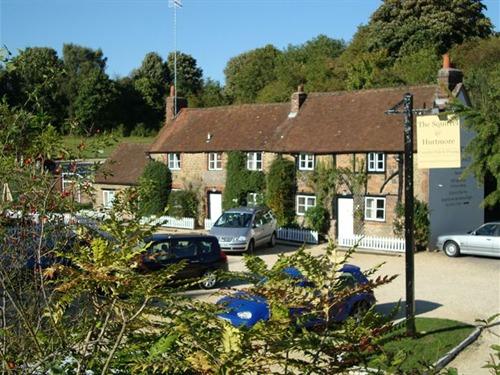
463	289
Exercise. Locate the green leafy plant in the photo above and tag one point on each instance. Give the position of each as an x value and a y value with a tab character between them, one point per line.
421	231
280	191
317	219
155	184
183	203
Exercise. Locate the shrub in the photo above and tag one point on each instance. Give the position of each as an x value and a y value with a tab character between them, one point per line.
317	219
280	191
421	231
183	203
154	188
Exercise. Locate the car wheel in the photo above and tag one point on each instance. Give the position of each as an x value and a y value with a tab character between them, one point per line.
359	310
272	242
451	249
251	247
209	280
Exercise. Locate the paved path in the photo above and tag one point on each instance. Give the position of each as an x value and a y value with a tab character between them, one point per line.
463	289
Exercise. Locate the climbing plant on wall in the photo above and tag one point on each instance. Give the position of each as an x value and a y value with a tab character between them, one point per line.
240	181
281	187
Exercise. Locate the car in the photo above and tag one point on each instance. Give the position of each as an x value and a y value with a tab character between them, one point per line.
485	240
245	228
245	309
202	253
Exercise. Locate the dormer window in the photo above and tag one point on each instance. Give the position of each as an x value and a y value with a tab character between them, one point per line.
306	162
254	161
376	162
174	161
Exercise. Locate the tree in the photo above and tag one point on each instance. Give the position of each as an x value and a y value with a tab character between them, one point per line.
212	94
151	81
189	75
36	75
88	89
155	184
249	72
402	26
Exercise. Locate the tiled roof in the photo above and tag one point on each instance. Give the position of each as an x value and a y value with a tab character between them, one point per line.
124	166
349	121
326	123
239	127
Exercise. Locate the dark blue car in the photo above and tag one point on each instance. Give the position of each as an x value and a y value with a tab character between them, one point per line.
245	309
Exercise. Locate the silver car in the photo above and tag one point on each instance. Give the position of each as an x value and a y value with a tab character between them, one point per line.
242	229
485	240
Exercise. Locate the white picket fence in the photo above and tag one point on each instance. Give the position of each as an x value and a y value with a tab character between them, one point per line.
209	224
169	221
298	235
393	244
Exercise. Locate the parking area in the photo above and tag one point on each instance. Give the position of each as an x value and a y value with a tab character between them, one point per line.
464	289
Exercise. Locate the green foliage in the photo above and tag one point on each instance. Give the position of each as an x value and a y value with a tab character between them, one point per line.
280	192
240	181
183	203
189	75
417	67
250	72
403	27
317	219
155	184
421	224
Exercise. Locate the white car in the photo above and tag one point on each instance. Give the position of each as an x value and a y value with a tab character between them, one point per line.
485	240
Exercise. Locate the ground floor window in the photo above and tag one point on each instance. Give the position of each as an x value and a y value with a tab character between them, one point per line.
304	202
375	208
108	196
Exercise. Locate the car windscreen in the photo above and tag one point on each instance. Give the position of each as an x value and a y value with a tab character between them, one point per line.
234	220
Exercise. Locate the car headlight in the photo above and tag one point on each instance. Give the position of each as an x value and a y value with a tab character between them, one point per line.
241	238
244	315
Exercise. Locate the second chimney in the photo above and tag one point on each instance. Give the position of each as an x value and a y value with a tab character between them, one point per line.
298	99
449	77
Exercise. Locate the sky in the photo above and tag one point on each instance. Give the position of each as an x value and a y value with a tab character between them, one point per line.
212	31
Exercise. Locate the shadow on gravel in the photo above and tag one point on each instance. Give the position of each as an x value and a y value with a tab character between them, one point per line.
420	307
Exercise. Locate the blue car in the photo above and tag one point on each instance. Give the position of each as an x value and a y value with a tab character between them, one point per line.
246	309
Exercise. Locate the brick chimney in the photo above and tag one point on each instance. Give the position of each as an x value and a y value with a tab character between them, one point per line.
297	99
170	111
449	77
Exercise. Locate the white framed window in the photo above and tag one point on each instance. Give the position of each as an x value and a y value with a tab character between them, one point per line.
215	161
304	202
376	162
174	161
108	196
71	184
306	162
254	161
375	208
254	199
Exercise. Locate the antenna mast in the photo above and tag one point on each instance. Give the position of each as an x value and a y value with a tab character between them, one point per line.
175	4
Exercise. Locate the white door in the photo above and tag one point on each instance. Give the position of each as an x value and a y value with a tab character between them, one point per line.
345	215
215	205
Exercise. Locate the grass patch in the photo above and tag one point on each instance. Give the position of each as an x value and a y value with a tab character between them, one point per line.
435	337
72	143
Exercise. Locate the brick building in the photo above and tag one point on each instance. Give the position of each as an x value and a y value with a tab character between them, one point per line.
347	129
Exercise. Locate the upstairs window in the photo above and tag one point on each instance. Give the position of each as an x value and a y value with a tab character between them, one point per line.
374	209
376	162
306	162
174	162
254	161
215	161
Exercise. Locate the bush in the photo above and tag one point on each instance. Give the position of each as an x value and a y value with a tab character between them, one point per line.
421	231
281	189
183	203
154	188
317	219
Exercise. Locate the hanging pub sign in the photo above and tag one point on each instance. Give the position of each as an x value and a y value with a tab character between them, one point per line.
438	142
